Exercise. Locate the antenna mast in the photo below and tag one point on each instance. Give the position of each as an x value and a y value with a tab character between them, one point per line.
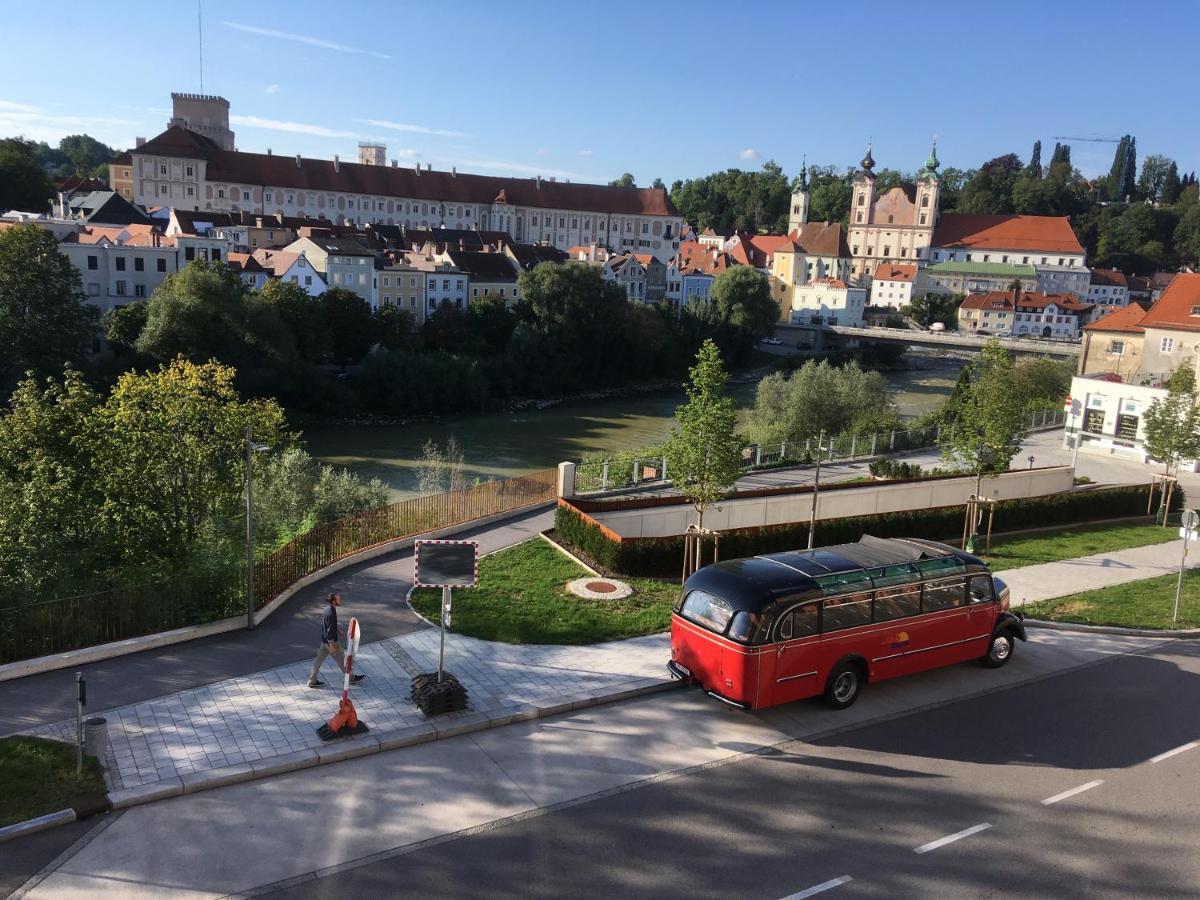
200	38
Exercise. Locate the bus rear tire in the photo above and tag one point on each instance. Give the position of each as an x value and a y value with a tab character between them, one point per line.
1000	650
844	685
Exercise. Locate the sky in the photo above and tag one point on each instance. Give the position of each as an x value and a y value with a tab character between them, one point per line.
657	89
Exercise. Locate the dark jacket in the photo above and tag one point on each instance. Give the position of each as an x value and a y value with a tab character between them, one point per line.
329	628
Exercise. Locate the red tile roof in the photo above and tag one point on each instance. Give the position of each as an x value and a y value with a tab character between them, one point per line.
1109	278
1045	234
1026	300
895	272
1174	308
387	181
1126	319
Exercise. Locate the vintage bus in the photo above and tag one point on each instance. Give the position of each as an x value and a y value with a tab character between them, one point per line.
766	630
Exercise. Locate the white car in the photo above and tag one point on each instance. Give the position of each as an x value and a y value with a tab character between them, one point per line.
772	340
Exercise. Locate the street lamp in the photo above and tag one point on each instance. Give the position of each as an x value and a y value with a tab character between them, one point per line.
812	519
251	449
1031	460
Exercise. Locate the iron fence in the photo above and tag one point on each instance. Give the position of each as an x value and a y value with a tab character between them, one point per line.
633	469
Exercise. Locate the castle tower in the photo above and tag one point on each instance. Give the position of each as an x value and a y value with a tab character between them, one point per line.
798	217
371	154
204	114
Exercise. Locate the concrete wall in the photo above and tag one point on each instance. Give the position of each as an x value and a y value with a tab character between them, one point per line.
665	521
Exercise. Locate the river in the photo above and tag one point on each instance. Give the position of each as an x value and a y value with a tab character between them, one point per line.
500	445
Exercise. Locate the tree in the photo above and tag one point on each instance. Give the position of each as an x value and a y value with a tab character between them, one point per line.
1172	424
395	328
935	308
703	453
348	323
819	397
490	325
990	189
301	314
44	319
829	195
441	470
1153	180
990	422
1034	169
626	181
446	328
657	183
1120	182
1170	186
739	309
736	199
23	182
88	156
123	325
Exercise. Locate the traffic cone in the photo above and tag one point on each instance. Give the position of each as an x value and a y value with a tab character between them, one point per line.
345	721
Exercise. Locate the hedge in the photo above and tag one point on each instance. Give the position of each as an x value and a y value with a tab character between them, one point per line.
662	557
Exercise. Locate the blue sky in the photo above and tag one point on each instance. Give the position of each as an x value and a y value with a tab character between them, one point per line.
657	89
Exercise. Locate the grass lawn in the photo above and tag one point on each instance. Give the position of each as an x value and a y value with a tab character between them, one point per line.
1074	541
37	777
522	599
1139	604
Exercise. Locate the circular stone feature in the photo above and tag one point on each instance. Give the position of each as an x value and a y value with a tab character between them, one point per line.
599	588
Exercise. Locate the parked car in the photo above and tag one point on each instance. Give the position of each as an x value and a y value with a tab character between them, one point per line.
774	341
937	326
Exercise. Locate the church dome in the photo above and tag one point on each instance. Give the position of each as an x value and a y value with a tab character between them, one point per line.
868	161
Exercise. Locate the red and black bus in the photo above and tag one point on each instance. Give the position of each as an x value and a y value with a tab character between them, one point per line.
766	630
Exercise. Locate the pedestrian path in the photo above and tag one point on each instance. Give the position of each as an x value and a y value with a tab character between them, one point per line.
260	717
1070	576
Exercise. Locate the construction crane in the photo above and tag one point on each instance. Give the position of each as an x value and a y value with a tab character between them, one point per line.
1059	137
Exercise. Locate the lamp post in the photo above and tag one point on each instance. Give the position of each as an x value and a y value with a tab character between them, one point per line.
251	449
812	519
1031	460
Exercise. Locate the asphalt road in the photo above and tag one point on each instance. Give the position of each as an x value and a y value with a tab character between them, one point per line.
373	591
950	802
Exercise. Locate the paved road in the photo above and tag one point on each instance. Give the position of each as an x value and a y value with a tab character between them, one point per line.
374	591
860	804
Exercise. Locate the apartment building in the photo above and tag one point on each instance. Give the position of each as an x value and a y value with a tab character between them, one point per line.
402	285
1024	314
815	253
892	285
963	277
827	301
341	262
1108	288
119	264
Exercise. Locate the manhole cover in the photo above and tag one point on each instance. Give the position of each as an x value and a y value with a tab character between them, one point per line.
601	587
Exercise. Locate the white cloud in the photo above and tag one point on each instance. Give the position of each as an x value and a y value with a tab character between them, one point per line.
32	122
749	154
497	165
293	127
585	152
9	106
302	39
271	89
412	129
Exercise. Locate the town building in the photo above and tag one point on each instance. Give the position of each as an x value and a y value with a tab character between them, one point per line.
1108	288
815	252
892	285
826	301
293	266
629	273
690	274
341	262
443	282
490	271
1112	345
119	264
199	169
961	277
1024	314
401	284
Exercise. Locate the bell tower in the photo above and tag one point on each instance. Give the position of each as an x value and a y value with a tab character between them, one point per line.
798	217
928	188
864	192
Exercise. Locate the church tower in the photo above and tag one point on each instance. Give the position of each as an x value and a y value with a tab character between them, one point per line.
864	192
928	188
798	217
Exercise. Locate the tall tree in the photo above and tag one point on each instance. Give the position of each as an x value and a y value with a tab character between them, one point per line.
123	325
990	190
739	309
23	182
1173	424
1121	176
1153	179
990	421
819	397
703	453
45	321
627	181
1171	186
1062	154
348	324
88	156
302	315
1034	169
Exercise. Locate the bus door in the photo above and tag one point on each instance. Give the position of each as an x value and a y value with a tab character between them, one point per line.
796	641
982	609
946	626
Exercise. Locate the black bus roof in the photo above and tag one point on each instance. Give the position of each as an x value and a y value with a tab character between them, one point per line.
755	582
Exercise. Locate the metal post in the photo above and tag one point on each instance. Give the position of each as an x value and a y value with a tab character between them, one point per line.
812	520
604	477
873	437
664	469
892	446
937	435
1187	536
758	454
1078	439
442	641
853	445
635	465
249	530
80	700
783	451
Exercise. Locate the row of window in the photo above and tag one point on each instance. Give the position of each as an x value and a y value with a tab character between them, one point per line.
120	288
119	263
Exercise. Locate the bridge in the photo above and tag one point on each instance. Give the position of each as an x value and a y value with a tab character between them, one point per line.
944	339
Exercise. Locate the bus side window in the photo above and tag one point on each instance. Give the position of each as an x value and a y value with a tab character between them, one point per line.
797	622
847	611
980	589
783	630
946	593
897	602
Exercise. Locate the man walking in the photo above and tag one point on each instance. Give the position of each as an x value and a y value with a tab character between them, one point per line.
330	646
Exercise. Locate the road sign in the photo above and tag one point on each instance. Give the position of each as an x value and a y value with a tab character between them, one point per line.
447	564
1190	519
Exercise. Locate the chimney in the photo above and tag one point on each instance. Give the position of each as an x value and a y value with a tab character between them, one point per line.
297	160
1016	293
393	163
337	163
258	222
553	177
539	182
137	142
418	170
428	167
279	217
268	151
462	245
62	204
454	171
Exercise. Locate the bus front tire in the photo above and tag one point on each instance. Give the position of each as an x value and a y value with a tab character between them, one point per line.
844	685
1000	649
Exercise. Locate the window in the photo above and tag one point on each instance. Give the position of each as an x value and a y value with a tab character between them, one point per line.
1093	421
162	169
93	263
798	622
120	262
139	264
1167	345
215	255
139	290
1117	347
221	193
862	199
162	264
121	289
847	611
1196	310
162	189
924	202
1127	427
946	593
267	196
308	281
458	284
189	171
93	289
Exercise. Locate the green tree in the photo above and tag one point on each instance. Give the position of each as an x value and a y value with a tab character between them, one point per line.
990	422
395	328
301	314
935	308
348	323
627	181
1034	169
44	319
1170	185
990	189
739	309
736	199
441	470
23	182
657	183
703	453
88	156
1152	181
1044	383
123	325
1172	424
819	397
1120	182
445	328
829	195
490	325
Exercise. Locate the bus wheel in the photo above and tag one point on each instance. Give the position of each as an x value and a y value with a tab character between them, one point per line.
844	684
1000	650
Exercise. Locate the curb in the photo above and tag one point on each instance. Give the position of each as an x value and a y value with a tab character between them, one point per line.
369	744
1181	634
41	823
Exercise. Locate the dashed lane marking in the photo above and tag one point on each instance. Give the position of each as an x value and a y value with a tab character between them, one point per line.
1072	792
951	838
1188	746
819	888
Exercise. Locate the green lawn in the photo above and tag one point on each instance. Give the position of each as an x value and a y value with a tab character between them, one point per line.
37	777
1139	604
1074	541
522	599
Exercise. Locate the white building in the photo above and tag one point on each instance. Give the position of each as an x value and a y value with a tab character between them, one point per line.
1108	288
892	284
827	301
119	265
894	227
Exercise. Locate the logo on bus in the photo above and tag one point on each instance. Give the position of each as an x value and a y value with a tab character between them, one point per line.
899	642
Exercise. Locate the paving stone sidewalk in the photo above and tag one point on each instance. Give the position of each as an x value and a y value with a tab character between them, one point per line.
271	714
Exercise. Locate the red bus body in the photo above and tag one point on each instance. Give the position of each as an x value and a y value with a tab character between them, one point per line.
767	630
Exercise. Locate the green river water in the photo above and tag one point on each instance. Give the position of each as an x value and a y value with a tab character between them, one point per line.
501	445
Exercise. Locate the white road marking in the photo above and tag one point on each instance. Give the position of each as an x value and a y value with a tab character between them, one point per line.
1072	792
951	838
819	888
1189	746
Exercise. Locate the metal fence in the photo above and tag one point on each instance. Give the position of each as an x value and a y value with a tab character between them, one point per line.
632	469
67	623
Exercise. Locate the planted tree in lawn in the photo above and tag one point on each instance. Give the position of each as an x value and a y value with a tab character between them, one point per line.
1173	424
703	453
991	415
